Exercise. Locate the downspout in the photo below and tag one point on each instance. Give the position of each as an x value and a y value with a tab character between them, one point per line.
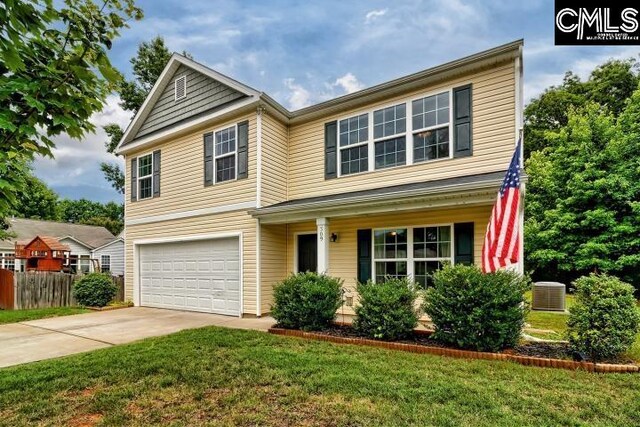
259	113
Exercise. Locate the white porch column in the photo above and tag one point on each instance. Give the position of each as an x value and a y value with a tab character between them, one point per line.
323	245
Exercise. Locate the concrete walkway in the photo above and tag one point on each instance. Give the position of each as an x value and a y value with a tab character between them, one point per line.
61	336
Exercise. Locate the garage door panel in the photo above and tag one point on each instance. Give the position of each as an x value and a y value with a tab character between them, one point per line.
200	275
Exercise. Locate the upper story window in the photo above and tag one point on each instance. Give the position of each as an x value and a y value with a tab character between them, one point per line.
388	123
430	122
145	176
418	129
354	150
225	154
180	88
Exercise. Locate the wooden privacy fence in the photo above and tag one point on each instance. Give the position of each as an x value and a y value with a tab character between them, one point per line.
42	290
6	289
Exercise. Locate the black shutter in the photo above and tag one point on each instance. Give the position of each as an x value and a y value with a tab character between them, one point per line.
243	150
462	140
134	179
364	255
463	245
330	150
208	159
156	173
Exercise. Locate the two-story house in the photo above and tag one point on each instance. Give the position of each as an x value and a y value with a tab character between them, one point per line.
227	192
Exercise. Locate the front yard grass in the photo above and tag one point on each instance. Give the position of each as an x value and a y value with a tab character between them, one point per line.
231	377
13	316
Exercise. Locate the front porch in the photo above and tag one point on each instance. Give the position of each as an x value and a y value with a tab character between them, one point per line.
376	233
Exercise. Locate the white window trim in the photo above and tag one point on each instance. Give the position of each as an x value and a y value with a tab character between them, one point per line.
410	260
102	263
139	178
231	153
408	133
175	88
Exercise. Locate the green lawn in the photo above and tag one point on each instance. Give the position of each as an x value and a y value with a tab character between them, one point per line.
231	377
13	316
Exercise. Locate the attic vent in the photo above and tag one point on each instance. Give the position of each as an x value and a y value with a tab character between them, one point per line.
548	296
181	88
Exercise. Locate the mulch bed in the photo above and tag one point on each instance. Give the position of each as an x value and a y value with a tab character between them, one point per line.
544	354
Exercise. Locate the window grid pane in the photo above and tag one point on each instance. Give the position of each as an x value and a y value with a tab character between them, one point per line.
390	244
389	121
145	188
226	141
431	144
390	269
226	168
354	130
354	160
430	111
145	166
390	153
431	248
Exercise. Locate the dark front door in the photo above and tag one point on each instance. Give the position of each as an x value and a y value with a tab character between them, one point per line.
307	252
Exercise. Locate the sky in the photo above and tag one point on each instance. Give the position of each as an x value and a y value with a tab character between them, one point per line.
304	52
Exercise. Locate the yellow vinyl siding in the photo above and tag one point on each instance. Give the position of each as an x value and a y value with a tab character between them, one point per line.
274	160
182	176
273	261
229	222
493	140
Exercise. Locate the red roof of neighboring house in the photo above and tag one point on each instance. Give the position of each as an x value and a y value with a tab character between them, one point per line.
51	242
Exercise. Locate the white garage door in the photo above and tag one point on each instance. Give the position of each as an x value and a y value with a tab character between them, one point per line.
202	275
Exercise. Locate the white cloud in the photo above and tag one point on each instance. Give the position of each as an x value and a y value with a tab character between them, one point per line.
374	14
299	97
349	83
77	162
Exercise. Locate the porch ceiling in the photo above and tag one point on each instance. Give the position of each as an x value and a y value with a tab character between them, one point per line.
467	190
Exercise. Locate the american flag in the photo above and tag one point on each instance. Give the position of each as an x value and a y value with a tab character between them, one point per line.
501	246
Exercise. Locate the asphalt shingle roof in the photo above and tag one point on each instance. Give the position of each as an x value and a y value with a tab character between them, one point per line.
27	229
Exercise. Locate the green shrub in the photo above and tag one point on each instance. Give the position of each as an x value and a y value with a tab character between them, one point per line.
386	310
306	301
472	310
604	320
94	290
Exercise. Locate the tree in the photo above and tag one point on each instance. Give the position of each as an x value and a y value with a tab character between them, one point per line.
114	226
583	209
609	85
147	65
54	74
37	202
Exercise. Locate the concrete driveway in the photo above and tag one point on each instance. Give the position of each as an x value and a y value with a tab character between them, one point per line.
60	336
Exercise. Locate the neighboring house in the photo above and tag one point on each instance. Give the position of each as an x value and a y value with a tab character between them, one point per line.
85	242
227	192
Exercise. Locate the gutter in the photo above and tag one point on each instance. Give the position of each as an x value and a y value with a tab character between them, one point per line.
478	185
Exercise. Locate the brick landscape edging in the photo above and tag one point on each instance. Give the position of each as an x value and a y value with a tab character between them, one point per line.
461	354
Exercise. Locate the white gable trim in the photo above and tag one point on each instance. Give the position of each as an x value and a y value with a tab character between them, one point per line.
163	80
80	242
119	239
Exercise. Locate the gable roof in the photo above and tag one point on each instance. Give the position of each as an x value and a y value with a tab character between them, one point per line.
91	236
51	242
175	62
256	98
117	240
